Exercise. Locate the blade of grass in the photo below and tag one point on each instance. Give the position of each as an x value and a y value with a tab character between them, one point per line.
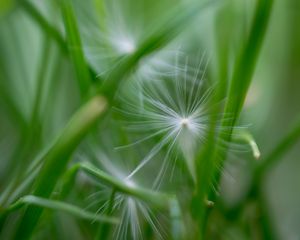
60	206
155	198
204	168
222	41
57	159
243	72
75	48
207	163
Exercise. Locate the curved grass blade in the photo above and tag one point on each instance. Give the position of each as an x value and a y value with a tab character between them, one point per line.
57	158
155	198
246	62
60	206
207	162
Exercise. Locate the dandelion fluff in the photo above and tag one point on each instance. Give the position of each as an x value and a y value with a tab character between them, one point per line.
172	108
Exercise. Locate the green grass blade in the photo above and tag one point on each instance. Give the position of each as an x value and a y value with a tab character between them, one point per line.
61	206
56	160
244	70
155	198
68	181
207	163
75	48
247	60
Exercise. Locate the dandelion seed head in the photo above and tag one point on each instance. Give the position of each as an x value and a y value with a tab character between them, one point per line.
185	122
173	108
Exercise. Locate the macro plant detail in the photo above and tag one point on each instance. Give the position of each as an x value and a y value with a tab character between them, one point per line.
170	119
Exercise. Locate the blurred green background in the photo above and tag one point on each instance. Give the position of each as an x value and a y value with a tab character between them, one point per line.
271	108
